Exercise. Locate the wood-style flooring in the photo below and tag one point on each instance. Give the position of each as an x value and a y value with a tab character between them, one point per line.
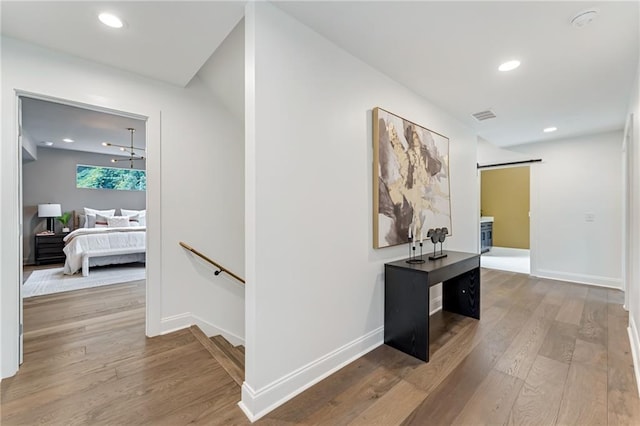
87	362
545	352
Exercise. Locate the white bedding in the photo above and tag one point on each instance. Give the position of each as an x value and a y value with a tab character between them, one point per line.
106	243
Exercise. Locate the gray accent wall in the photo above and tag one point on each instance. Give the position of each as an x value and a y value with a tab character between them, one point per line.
52	179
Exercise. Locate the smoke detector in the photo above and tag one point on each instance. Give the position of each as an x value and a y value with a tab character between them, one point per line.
584	18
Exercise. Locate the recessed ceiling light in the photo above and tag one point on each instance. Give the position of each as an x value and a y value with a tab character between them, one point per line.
509	65
47	143
67	140
549	129
110	20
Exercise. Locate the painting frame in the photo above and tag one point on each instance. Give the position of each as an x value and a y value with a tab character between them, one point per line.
411	180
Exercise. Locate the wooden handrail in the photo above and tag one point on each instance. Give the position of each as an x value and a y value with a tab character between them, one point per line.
220	267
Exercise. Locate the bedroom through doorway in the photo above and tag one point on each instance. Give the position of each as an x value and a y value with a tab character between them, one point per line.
83	195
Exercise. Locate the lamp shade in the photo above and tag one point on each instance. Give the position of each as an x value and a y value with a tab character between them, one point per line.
49	210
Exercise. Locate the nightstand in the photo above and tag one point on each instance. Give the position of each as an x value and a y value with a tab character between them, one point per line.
49	248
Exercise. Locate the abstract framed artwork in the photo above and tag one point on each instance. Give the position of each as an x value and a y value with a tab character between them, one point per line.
410	180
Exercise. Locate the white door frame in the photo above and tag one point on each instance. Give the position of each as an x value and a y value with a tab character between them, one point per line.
533	206
11	297
627	205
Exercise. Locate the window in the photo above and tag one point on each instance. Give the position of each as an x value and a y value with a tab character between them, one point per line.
97	177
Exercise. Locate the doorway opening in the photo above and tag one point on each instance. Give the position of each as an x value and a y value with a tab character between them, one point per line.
83	197
505	219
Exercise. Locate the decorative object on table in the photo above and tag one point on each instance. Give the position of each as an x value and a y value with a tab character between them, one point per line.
410	179
50	211
412	248
64	220
437	235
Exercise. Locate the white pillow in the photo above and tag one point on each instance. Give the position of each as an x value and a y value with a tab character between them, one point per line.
141	215
91	221
100	221
133	220
118	221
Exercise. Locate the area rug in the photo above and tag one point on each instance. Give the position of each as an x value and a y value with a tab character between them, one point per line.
48	281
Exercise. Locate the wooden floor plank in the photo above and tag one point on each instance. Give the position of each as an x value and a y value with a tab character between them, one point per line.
593	324
358	397
492	401
539	399
571	311
623	405
584	400
444	402
393	407
560	341
519	357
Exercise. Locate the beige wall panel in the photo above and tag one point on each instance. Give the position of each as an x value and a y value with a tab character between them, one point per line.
505	196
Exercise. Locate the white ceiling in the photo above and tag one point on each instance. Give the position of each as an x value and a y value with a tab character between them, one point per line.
577	79
44	121
165	40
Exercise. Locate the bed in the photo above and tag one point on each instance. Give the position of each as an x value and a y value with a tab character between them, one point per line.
86	247
98	246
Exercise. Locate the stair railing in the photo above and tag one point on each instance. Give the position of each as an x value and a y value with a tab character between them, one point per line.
208	260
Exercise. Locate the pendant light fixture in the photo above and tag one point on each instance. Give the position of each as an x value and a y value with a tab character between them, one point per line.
131	150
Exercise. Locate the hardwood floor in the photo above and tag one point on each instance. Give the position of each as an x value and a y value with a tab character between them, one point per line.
544	352
87	361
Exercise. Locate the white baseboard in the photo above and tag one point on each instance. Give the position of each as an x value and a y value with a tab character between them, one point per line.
257	403
187	319
175	323
579	278
435	305
211	330
634	341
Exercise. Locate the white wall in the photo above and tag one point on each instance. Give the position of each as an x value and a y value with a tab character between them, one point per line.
30	149
195	187
202	205
223	73
490	154
576	200
633	272
315	284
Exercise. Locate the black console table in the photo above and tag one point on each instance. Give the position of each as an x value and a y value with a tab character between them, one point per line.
406	297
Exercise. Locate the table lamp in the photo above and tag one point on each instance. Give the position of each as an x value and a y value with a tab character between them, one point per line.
50	211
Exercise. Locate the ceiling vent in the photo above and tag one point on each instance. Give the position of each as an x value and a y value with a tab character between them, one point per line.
484	115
